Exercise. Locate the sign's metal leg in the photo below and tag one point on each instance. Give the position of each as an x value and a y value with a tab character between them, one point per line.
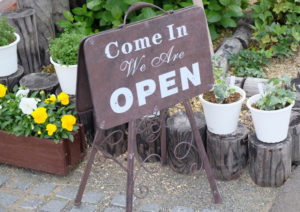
130	166
163	139
85	176
202	152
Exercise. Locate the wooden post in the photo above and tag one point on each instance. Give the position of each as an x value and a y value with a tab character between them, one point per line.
45	29
184	157
28	48
294	130
269	164
58	7
228	154
12	80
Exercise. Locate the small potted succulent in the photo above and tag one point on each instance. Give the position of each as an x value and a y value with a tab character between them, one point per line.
39	131
64	55
222	105
271	110
8	49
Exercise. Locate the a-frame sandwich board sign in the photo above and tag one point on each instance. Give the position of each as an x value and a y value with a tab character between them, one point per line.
140	68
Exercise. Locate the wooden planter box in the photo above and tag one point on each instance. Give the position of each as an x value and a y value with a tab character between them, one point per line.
42	154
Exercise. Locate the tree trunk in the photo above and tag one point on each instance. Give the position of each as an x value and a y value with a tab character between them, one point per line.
58	7
12	80
43	9
148	138
269	164
40	81
28	48
182	148
228	154
294	130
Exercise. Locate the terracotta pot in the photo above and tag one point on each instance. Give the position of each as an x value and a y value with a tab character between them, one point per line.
42	154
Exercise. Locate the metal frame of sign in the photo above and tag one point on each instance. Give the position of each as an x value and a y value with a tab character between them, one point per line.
100	138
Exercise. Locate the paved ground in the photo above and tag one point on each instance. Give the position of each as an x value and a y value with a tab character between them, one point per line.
26	190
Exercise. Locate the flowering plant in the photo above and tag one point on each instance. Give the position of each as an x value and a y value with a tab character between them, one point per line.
41	115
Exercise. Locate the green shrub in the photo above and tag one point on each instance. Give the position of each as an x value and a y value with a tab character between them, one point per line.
64	49
249	63
6	33
99	15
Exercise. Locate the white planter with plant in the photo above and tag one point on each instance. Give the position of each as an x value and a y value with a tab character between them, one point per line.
271	110
222	105
8	49
64	55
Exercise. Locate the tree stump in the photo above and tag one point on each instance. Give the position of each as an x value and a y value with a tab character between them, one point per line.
269	164
294	131
182	148
40	81
43	11
28	48
296	82
12	80
58	7
148	137
228	154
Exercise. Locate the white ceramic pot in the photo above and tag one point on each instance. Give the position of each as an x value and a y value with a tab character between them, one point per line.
222	118
67	77
9	58
270	126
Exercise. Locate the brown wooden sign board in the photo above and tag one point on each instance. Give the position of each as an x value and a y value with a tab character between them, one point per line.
147	66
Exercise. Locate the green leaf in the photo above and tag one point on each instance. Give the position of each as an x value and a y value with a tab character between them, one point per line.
213	33
235	11
185	4
214	5
225	2
148	12
94	4
228	22
79	11
213	17
116	12
68	15
64	24
71	137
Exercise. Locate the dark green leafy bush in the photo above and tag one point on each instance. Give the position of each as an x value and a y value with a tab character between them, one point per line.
6	33
99	15
64	49
249	63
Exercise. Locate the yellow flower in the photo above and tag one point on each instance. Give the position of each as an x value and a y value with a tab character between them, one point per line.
68	121
51	128
64	98
39	132
2	90
40	115
51	100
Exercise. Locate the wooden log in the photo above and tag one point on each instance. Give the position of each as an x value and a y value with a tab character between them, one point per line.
28	48
294	131
148	138
44	22
58	7
243	33
269	164
182	149
239	81
12	80
228	154
250	85
40	81
296	82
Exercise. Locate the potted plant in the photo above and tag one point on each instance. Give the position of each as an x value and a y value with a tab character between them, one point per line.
39	132
222	105
64	55
8	49
271	110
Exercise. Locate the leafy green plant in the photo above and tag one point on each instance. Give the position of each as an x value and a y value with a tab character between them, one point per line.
278	94
249	63
276	27
64	49
222	89
222	14
37	115
6	33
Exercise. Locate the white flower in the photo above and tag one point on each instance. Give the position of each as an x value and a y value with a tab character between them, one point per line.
28	105
23	93
0	107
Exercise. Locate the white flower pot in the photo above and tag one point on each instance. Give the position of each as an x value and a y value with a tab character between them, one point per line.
67	77
270	126
222	118
9	58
